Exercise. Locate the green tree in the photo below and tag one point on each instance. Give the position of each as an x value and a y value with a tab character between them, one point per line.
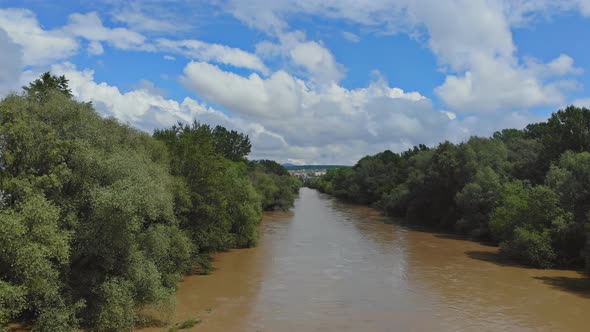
35	250
41	87
276	187
486	187
476	201
270	166
566	129
570	178
233	145
527	221
100	220
12	301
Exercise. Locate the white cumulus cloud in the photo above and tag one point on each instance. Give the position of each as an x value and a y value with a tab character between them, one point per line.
207	52
90	27
471	40
310	58
11	59
40	47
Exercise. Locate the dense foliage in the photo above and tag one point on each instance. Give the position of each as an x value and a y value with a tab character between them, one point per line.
273	182
98	221
528	190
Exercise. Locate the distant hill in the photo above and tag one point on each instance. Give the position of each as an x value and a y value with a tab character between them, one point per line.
300	167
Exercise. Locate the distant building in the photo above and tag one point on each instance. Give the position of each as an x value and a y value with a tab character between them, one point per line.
307	173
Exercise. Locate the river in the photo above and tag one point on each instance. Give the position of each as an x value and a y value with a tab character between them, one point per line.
331	266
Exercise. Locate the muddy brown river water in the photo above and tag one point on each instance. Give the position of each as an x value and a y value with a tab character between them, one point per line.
332	266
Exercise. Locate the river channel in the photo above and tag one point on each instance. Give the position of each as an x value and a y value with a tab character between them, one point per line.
327	265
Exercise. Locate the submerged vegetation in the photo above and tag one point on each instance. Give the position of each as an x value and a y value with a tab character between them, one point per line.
99	221
526	190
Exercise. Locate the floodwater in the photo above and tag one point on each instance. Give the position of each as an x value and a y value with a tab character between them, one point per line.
332	266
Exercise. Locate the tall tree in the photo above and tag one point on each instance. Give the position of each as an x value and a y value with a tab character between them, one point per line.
40	87
233	145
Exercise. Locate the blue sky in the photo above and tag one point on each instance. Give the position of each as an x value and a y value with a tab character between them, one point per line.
310	81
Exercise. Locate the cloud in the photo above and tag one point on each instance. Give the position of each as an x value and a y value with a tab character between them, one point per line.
320	125
562	65
43	47
95	48
486	124
157	16
144	106
388	16
169	58
203	51
495	85
301	111
245	96
10	64
485	73
310	58
90	27
317	61
142	22
308	116
333	124
582	102
271	16
584	6
475	48
450	115
109	100
351	36
40	47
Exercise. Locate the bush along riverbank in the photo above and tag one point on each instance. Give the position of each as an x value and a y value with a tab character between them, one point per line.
99	221
526	190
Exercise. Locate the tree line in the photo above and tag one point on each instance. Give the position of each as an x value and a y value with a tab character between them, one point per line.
526	190
99	221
